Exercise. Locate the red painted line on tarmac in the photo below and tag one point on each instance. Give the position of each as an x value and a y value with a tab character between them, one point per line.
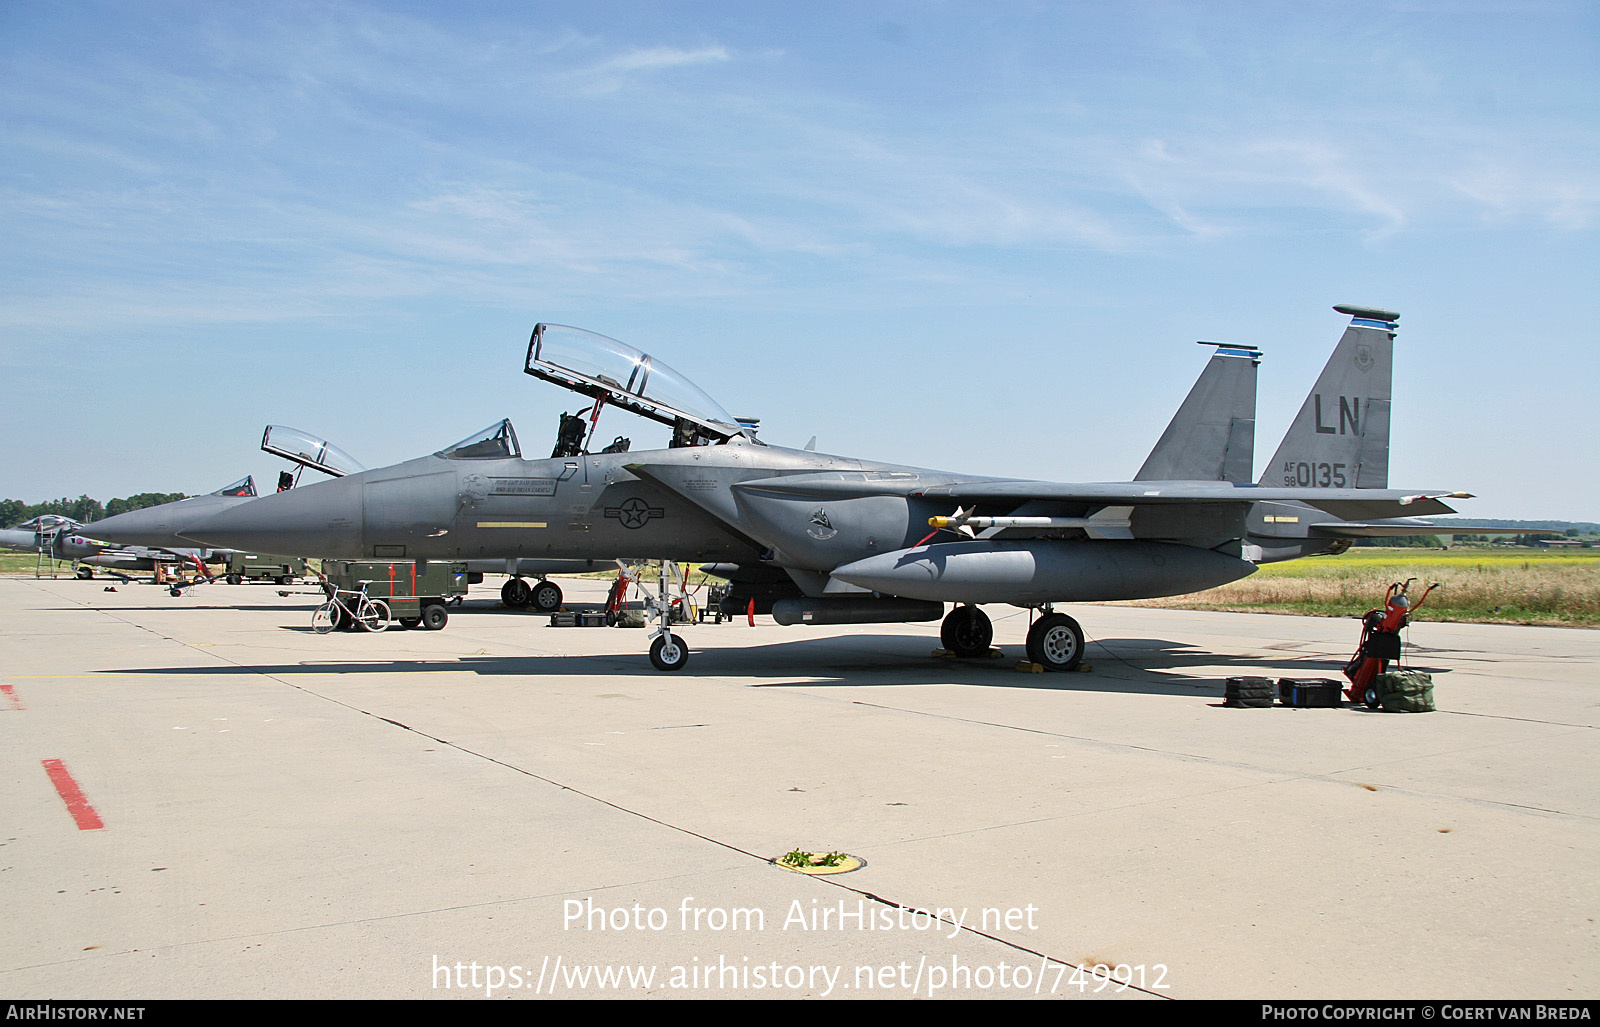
11	695
77	803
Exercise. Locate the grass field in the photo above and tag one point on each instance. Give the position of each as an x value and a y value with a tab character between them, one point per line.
1485	586
22	563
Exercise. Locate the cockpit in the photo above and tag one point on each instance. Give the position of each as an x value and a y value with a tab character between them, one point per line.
245	486
612	372
496	442
47	523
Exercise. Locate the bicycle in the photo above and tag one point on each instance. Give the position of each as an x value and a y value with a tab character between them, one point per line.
359	609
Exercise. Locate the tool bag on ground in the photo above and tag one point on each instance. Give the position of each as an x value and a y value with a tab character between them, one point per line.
1406	691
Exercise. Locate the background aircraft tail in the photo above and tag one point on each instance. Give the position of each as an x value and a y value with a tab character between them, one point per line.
1340	437
1212	437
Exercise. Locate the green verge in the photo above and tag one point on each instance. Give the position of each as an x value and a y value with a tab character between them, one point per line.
1490	585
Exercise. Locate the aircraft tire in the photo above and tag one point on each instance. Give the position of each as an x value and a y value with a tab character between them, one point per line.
967	632
546	597
516	593
669	657
435	616
85	573
1055	642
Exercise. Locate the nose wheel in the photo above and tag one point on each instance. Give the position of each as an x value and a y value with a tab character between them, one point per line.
668	652
1055	642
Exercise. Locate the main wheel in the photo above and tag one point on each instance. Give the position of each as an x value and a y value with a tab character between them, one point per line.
546	597
516	593
373	615
325	618
434	616
668	652
1055	642
85	573
967	632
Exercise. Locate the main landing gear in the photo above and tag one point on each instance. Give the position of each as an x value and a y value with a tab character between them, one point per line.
967	632
1055	641
544	596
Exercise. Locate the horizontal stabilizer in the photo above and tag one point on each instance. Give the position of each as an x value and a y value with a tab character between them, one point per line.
1403	529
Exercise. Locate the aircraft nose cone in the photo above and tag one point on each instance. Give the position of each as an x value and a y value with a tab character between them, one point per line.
158	526
321	520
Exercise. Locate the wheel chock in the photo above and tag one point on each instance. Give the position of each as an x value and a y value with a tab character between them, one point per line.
1028	667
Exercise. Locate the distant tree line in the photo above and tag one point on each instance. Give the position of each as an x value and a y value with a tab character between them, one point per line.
15	511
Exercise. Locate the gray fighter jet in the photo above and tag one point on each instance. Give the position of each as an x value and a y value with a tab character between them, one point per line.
162	526
60	538
819	539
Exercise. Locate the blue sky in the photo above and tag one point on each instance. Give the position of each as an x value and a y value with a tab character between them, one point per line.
978	237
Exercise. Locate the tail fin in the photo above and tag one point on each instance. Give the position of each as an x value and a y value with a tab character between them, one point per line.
1340	437
1212	437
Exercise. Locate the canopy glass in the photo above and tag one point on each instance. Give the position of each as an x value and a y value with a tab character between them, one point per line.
495	442
307	450
604	368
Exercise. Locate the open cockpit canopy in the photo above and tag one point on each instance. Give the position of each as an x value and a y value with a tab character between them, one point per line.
605	369
307	450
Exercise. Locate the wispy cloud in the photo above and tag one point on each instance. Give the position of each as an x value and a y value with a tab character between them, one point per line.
614	73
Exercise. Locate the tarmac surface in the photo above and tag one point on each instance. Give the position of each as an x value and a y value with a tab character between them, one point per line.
202	798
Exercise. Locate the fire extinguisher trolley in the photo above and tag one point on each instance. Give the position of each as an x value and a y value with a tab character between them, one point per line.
1380	642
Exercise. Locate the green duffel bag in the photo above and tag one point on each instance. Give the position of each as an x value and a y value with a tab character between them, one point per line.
1406	691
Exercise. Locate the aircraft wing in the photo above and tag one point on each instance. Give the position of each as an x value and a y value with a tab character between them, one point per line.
1348	504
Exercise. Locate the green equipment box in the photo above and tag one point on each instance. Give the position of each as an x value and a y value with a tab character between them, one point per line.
244	567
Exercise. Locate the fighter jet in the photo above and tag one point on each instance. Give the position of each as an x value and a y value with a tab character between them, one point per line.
161	526
820	539
61	538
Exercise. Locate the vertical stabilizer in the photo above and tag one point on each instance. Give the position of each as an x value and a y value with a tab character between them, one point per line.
1340	437
1212	436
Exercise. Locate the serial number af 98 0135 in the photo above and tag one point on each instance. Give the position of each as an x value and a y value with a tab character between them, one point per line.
1301	474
